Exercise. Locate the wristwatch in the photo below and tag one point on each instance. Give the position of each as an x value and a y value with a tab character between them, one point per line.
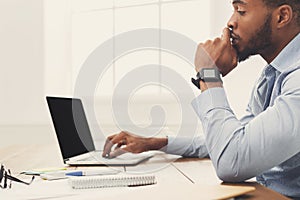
207	75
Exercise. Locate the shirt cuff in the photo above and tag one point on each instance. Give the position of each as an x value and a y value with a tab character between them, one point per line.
210	99
177	145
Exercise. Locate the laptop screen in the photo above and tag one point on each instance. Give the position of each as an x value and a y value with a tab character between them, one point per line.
71	126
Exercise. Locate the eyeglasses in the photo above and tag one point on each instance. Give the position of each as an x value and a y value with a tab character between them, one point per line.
6	175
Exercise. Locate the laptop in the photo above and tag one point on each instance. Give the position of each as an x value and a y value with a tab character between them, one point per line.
75	138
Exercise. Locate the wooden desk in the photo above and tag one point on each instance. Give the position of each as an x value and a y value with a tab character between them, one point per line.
202	171
172	175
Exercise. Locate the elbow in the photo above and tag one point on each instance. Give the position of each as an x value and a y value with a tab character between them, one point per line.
230	174
229	177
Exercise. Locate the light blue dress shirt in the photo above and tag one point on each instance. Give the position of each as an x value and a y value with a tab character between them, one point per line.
266	142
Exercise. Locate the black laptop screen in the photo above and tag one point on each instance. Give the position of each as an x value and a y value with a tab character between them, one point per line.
71	126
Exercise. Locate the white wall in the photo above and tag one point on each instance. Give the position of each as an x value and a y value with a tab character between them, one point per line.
21	62
91	23
57	51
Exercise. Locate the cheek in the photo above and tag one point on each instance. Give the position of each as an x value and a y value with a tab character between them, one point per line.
247	25
245	33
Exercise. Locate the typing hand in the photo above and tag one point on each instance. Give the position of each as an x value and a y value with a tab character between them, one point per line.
127	142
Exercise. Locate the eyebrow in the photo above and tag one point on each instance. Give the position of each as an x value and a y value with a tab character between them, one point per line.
239	2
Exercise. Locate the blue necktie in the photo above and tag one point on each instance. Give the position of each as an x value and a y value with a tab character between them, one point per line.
265	87
270	74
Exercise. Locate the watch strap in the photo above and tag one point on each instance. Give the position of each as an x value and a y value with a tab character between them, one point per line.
196	82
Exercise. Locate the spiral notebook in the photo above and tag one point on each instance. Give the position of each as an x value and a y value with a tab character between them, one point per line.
85	182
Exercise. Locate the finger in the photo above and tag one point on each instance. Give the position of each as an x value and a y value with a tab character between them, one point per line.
235	57
226	35
120	151
119	145
117	139
107	148
110	141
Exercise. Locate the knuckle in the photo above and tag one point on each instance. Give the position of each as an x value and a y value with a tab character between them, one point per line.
208	42
200	45
122	133
217	41
107	141
110	137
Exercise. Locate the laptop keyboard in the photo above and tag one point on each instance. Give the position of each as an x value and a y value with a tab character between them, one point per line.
127	156
94	157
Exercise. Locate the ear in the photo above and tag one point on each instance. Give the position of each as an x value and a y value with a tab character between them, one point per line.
284	15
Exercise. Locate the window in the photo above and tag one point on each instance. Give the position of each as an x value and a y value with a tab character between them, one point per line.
75	28
94	22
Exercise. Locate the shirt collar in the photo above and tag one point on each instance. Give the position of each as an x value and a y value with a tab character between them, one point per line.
288	56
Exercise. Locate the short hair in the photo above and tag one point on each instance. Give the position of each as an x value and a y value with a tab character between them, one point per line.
295	4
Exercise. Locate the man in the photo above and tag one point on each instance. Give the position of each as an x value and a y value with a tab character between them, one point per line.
266	142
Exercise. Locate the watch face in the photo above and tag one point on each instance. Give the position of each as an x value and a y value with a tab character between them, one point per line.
209	73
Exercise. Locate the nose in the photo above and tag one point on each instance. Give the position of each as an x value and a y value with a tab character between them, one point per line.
232	23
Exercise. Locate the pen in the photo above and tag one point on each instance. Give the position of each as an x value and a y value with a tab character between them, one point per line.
42	171
87	173
65	174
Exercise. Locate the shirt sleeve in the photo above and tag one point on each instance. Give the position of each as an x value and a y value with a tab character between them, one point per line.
249	115
239	150
187	146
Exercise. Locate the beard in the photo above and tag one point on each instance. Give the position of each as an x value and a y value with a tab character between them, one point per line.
260	41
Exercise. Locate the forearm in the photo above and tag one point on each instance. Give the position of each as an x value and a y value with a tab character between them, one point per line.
187	146
184	146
